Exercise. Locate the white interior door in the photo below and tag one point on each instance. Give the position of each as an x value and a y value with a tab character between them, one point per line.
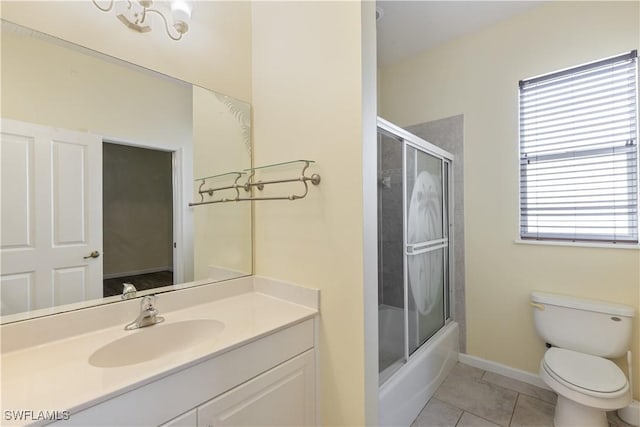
51	223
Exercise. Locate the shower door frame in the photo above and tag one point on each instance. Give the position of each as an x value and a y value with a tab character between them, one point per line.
408	139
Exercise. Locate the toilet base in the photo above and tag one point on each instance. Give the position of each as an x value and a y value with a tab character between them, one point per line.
571	414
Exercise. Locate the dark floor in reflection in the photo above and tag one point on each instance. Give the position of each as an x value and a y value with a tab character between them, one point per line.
142	282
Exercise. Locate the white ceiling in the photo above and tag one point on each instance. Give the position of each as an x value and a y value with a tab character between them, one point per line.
410	27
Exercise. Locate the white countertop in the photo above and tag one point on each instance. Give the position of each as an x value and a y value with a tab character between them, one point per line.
57	376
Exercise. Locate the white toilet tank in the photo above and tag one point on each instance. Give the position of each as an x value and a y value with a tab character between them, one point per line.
588	326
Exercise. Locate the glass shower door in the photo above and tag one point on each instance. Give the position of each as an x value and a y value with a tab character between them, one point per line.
426	244
391	289
413	245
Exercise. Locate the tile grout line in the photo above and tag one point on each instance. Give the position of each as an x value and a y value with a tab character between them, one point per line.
481	379
492	384
513	412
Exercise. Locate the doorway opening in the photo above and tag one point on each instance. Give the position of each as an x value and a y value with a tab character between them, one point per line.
138	217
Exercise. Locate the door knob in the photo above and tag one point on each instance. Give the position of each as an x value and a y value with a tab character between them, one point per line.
94	254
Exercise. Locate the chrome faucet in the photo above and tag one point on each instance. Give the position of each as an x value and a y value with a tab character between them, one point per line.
128	290
148	314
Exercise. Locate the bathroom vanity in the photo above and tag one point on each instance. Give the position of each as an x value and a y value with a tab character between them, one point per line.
243	354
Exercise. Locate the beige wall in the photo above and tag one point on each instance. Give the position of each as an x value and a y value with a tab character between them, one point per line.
307	99
215	53
222	241
477	76
53	85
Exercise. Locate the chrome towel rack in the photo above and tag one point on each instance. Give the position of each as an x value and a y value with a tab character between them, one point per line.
250	183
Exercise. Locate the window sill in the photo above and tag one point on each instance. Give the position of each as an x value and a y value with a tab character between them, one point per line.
578	244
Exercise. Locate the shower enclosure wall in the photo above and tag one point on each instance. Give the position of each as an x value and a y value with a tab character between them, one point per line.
417	338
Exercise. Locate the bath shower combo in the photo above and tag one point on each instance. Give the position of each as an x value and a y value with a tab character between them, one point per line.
417	336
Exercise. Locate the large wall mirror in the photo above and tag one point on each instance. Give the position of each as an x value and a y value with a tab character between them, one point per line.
100	159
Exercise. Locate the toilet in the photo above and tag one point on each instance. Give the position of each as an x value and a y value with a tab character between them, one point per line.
582	335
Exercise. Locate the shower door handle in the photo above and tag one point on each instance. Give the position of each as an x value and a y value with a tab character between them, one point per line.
422	247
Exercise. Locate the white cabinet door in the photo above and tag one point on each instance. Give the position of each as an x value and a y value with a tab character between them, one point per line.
51	216
282	396
188	419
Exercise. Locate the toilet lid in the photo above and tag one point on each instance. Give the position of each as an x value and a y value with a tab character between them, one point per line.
585	371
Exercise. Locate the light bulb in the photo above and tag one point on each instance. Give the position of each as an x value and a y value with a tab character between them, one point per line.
181	13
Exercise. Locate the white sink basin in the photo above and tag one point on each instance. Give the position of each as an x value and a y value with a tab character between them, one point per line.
155	341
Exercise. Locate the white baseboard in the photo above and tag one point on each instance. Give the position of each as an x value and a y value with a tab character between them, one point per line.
136	272
499	368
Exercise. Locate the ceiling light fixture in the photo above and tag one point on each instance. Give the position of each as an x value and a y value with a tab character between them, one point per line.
134	14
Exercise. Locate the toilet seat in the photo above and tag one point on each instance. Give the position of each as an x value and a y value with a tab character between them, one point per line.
584	373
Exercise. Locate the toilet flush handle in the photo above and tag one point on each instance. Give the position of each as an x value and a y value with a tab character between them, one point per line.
536	305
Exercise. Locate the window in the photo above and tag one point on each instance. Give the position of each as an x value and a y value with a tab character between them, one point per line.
579	153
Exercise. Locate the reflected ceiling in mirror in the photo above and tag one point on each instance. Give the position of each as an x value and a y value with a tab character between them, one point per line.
98	164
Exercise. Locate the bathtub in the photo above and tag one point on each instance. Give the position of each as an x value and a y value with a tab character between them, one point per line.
403	395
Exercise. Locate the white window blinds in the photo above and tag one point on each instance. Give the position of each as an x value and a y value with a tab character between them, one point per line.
579	153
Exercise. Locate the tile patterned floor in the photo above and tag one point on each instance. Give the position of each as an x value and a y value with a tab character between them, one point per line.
471	397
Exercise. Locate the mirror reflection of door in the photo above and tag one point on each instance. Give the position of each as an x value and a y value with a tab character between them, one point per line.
51	219
80	217
137	215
